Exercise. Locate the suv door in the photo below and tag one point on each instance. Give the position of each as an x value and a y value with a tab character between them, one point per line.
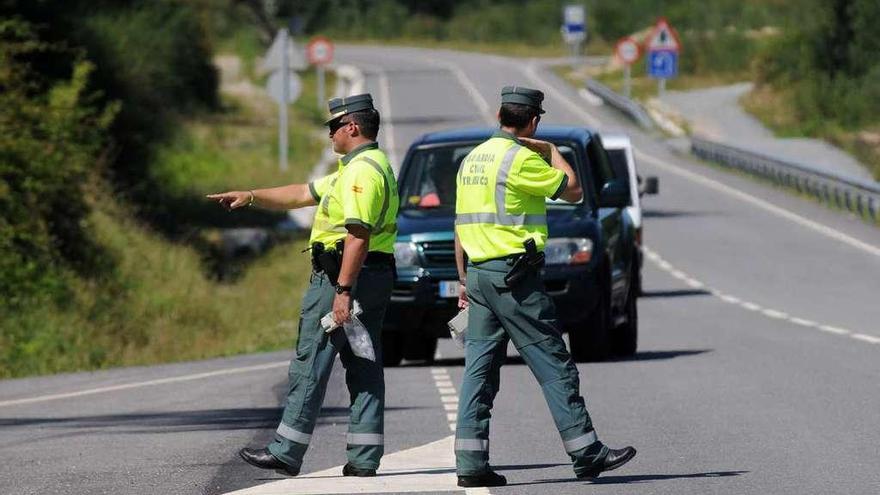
611	221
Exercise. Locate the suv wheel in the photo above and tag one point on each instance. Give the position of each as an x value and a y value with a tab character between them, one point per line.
626	336
589	341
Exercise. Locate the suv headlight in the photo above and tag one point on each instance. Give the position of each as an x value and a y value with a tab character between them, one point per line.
406	254
568	251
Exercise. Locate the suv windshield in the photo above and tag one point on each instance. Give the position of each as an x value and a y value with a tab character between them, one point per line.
430	179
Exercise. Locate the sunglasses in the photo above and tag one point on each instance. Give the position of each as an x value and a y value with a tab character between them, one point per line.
335	126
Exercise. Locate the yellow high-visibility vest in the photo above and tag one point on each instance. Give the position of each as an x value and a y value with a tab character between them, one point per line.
500	200
362	191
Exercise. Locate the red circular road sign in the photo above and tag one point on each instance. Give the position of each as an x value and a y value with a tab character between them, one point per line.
319	51
627	50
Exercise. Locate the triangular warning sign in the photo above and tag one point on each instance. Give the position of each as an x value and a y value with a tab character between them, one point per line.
663	37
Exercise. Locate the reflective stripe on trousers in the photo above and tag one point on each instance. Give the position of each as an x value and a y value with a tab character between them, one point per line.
365	439
293	435
580	442
472	444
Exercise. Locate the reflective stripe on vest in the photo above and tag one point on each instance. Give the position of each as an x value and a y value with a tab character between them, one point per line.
293	435
580	442
472	444
365	439
380	223
500	216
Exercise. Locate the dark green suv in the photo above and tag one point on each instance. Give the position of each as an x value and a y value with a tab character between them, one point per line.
591	253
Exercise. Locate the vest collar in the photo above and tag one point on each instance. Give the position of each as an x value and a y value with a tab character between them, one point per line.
506	135
353	153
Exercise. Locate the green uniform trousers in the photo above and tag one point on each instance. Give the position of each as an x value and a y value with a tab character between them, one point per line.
311	367
526	315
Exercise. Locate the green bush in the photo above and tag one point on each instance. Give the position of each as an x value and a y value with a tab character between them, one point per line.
49	145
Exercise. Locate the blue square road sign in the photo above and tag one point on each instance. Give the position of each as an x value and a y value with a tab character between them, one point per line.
662	64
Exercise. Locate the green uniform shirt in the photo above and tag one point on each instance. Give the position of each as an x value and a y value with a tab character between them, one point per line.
362	191
500	201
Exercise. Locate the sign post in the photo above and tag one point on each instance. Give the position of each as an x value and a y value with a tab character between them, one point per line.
574	27
283	84
628	51
663	48
319	52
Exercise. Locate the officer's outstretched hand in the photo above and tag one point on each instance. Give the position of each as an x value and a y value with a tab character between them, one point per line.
462	297
232	199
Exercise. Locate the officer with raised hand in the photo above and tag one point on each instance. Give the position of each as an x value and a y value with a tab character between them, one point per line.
356	214
501	226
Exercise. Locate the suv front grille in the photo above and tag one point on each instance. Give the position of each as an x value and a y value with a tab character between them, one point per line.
439	253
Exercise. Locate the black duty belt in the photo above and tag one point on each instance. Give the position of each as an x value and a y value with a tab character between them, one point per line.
376	258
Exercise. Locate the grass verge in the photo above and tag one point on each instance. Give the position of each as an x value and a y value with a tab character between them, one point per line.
160	303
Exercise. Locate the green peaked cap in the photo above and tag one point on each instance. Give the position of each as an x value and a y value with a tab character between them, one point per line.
522	96
348	104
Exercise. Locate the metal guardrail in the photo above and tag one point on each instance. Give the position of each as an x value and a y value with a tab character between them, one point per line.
857	196
631	108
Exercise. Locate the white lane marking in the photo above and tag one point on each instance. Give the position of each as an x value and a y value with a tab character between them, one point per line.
867	338
148	383
451	416
451	407
834	330
427	468
446	390
477	491
571	105
449	399
731	299
776	210
590	97
770	313
439	371
390	146
802	322
443	383
485	110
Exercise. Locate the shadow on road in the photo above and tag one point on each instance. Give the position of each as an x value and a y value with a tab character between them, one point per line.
648	294
518	361
178	421
651	213
636	478
656	355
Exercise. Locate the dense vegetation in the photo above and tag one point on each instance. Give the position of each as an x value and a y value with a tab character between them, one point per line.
822	77
111	129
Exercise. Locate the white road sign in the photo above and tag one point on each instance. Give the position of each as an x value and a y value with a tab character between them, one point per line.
296	59
319	51
627	50
663	37
274	86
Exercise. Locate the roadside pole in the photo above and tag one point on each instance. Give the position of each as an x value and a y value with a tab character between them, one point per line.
628	51
319	53
282	108
663	47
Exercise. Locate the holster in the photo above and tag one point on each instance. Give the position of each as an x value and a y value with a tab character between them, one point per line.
328	262
528	263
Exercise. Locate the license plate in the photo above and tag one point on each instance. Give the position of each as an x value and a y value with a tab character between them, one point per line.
449	288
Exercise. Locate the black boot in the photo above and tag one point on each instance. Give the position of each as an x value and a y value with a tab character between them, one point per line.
613	460
264	459
489	478
349	470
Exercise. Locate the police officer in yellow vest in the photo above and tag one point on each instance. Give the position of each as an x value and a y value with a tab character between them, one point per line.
356	214
500	209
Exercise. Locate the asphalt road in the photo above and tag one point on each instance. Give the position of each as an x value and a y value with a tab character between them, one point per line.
757	372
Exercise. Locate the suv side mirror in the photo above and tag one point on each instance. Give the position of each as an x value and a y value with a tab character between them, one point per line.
614	194
651	186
